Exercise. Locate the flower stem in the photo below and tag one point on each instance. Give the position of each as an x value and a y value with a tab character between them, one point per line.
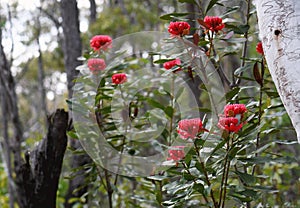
206	177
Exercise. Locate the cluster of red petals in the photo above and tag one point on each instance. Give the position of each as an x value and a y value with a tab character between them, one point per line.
259	48
176	153
189	128
230	124
170	64
119	78
100	42
179	28
231	121
234	109
214	23
96	64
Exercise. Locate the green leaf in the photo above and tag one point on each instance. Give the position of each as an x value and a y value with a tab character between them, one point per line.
238	29
161	61
241	197
155	104
157	177
199	188
169	111
188	176
210	5
263	160
232	152
187	1
242	69
72	134
172	15
245	177
220	145
199	166
232	93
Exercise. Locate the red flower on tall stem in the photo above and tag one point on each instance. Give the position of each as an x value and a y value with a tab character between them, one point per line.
96	64
179	28
230	124
189	128
214	23
119	78
170	64
232	110
259	48
176	153
100	42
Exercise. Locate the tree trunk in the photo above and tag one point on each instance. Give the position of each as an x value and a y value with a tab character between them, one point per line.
10	115
41	74
93	11
72	42
36	181
279	27
38	177
72	50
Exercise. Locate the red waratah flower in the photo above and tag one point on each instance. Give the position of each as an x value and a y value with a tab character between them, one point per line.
189	128
259	48
230	124
100	42
179	28
214	23
96	64
233	109
119	78
176	153
170	64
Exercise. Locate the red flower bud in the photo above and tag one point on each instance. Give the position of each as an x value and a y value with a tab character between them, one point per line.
189	128
176	153
233	109
100	42
119	78
179	28
230	124
96	64
214	23
259	48
170	64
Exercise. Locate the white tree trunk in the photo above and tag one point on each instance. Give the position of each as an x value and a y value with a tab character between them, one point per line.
279	29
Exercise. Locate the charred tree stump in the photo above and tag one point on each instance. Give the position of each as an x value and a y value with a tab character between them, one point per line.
37	178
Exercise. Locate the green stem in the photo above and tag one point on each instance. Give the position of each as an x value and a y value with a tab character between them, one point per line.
109	189
260	112
123	140
245	46
206	177
226	170
172	105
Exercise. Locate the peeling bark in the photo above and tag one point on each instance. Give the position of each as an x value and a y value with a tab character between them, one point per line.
279	29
